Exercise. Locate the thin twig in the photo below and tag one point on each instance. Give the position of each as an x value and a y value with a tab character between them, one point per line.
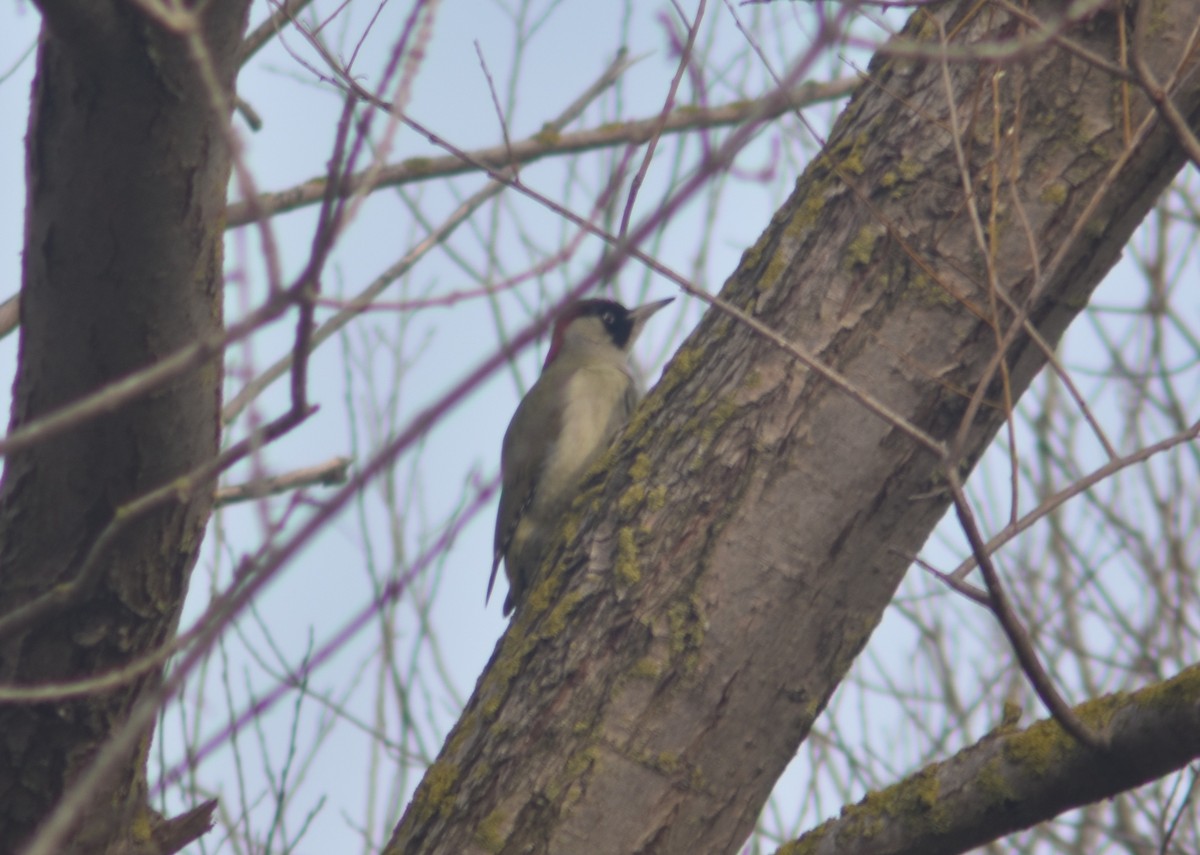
1079	486
10	314
635	185
436	237
547	142
323	474
718	159
262	34
91	568
1161	97
491	84
1010	623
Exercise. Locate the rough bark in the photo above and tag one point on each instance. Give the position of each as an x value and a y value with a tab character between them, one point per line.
714	585
127	166
1012	779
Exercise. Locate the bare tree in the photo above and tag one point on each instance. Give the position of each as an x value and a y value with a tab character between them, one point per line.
722	571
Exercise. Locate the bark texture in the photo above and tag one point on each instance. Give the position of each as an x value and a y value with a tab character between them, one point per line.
127	168
714	586
1012	779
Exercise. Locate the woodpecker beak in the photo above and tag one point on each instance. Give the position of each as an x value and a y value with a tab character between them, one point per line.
641	314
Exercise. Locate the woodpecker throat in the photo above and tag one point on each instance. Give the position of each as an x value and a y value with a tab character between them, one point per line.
582	399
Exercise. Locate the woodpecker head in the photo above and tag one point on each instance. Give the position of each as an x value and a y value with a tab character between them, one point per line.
599	325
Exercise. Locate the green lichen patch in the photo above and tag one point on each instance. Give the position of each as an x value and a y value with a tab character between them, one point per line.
993	783
902	178
915	802
928	293
627	569
417	165
668	762
861	249
581	761
721	414
679	370
647	668
631	499
489	834
1045	745
569	787
556	620
542	592
809	842
846	154
435	796
808	212
1054	193
686	634
641	468
752	257
1183	689
910	170
548	135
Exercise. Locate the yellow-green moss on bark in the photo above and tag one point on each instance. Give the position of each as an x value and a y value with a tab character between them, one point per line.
488	835
627	571
686	634
436	793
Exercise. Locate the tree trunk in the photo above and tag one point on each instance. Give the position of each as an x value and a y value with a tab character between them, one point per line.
758	515
127	169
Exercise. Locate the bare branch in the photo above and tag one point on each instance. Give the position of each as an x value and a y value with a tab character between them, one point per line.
323	474
1011	780
548	142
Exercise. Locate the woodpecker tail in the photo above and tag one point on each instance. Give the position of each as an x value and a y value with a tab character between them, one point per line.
492	580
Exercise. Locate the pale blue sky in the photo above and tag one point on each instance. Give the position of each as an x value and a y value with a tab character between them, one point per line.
327	583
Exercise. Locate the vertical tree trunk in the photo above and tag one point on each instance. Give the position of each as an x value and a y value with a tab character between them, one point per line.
127	169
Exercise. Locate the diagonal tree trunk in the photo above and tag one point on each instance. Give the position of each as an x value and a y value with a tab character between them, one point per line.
127	168
758	515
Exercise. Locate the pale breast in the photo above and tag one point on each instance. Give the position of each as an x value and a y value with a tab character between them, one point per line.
595	408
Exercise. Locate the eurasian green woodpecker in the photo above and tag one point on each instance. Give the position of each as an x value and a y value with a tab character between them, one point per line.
567	419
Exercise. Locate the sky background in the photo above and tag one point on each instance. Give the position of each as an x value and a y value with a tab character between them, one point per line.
391	364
